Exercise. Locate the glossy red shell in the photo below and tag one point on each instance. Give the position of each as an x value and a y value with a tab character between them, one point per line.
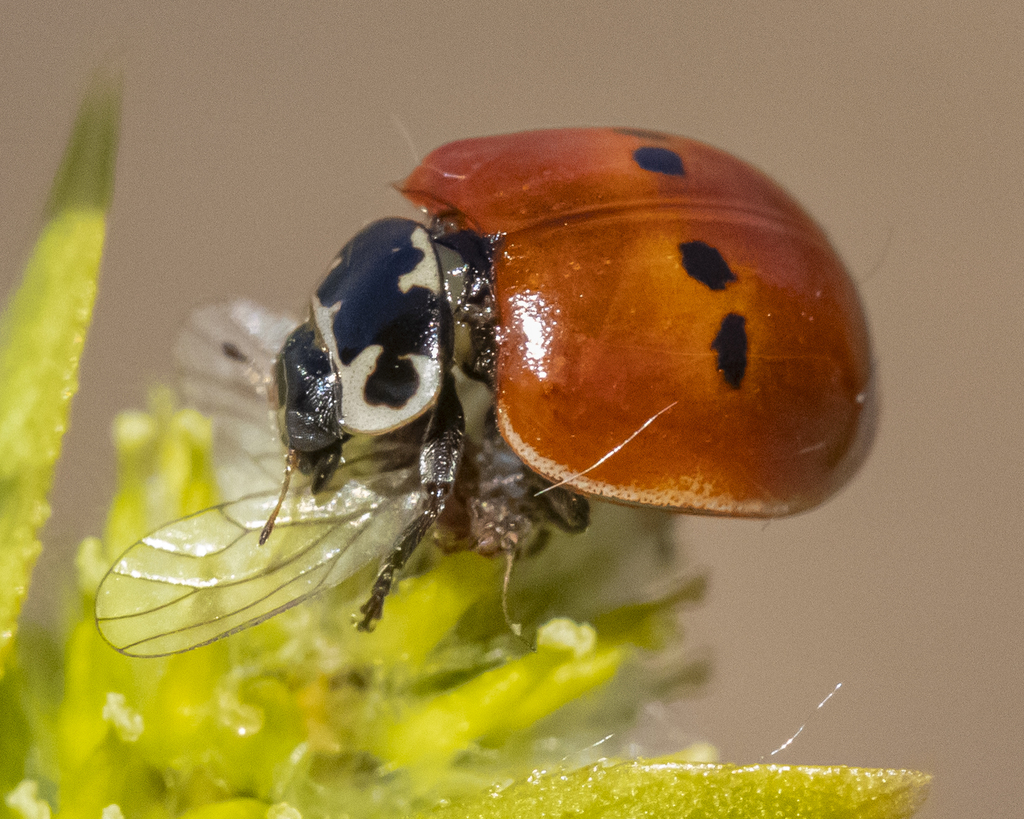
606	376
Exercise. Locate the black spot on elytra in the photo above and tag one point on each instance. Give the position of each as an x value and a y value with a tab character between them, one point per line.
392	383
659	160
705	264
731	346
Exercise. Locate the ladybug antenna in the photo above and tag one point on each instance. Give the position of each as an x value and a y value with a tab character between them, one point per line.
268	527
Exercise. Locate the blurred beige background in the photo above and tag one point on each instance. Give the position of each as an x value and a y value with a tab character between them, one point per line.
258	137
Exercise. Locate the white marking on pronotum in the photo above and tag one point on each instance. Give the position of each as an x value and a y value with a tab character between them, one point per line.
371	419
323	322
613	451
789	741
426	274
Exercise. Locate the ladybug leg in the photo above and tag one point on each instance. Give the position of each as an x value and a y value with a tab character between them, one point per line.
476	306
476	253
511	504
483	357
440	457
564	508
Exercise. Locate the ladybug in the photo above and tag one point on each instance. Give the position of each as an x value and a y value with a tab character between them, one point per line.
672	328
654	321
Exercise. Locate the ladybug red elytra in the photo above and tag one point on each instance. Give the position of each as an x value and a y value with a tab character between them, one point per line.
673	328
658	323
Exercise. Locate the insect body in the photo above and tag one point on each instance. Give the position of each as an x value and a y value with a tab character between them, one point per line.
640	275
657	322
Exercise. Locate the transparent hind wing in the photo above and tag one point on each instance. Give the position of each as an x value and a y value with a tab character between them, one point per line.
206	576
225	357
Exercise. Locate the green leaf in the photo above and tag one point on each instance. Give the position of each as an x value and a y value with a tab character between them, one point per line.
674	790
14	734
42	333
